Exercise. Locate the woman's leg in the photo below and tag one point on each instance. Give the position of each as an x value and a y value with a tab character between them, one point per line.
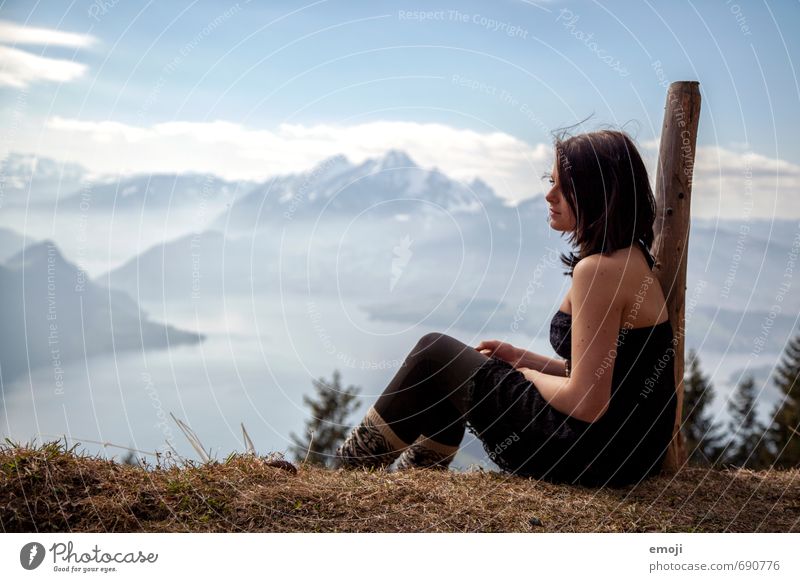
422	411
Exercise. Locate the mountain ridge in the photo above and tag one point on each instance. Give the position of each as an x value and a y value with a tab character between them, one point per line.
52	314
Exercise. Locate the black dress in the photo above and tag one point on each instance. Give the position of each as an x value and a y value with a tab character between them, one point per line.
524	435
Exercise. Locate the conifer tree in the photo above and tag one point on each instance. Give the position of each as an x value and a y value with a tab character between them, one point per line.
702	437
746	436
130	459
784	433
327	426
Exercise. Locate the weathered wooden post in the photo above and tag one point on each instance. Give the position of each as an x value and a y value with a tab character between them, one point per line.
673	198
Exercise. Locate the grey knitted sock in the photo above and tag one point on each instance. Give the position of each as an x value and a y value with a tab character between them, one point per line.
427	453
370	444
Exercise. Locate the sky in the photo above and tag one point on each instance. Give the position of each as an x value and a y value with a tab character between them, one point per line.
247	90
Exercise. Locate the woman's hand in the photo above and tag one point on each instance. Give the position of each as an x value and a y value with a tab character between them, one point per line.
502	350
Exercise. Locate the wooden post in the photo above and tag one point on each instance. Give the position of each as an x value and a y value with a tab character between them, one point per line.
673	199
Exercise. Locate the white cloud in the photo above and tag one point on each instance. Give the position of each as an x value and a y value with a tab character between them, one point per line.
728	182
234	151
731	182
13	33
21	68
100	131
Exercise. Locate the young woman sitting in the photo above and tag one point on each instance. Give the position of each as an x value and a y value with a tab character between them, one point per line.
602	412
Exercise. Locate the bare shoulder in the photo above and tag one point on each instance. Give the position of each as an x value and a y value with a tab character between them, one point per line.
598	277
598	268
621	262
621	279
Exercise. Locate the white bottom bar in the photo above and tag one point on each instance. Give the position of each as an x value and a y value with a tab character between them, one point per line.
389	557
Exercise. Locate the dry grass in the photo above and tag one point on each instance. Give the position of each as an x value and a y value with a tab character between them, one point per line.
49	488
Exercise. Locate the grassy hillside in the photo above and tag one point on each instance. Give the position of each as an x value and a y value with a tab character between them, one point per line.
50	488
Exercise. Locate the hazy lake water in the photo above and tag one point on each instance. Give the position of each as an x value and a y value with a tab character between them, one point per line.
257	362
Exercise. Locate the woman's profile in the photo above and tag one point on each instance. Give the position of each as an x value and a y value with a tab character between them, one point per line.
602	411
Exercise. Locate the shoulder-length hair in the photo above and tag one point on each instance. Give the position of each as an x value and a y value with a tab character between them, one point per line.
605	183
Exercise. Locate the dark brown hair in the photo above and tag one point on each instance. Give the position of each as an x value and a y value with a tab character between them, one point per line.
605	183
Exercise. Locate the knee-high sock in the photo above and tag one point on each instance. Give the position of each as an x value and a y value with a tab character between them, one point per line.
427	395
370	444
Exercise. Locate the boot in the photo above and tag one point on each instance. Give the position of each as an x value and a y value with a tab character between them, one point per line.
427	453
371	444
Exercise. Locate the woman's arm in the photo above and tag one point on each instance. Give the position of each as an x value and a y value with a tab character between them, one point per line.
597	312
520	358
540	363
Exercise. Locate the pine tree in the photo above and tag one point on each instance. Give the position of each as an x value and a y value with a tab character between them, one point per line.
326	428
703	440
130	459
784	433
746	445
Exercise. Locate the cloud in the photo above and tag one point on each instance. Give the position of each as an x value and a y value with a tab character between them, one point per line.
731	182
100	131
21	68
234	151
13	33
728	181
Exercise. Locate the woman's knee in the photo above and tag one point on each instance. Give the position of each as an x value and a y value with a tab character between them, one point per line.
430	339
441	351
437	343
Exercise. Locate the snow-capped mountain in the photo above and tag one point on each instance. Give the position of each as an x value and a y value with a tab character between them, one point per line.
159	192
29	179
392	184
38	182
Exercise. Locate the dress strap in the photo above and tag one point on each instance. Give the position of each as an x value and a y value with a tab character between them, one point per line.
648	257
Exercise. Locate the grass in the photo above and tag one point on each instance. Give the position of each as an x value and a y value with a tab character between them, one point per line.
50	488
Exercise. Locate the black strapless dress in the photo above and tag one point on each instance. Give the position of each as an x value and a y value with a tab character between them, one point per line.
526	436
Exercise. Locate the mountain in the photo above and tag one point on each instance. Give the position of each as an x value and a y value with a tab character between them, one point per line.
207	193
11	242
392	184
738	271
194	266
272	235
52	314
409	245
768	230
29	179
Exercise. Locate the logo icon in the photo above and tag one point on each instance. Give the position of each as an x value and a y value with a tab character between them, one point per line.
401	255
31	555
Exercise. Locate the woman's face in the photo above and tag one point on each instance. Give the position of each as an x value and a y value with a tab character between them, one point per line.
560	215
